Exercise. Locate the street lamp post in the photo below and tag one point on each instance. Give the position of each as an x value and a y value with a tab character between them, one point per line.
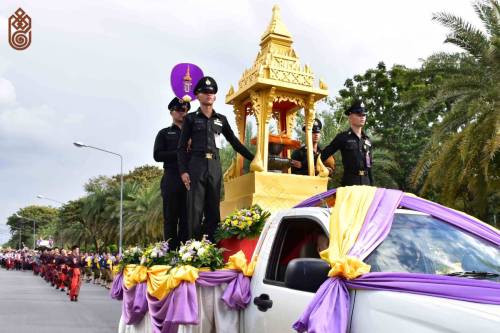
20	232
40	196
34	230
46	198
82	145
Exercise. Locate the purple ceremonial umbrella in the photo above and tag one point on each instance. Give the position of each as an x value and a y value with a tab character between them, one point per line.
183	79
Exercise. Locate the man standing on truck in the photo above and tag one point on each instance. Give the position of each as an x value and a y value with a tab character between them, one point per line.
173	190
299	156
355	147
201	173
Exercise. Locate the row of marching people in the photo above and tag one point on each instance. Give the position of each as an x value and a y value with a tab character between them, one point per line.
99	268
63	269
17	259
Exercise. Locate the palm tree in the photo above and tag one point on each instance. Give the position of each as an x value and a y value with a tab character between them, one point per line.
144	215
461	163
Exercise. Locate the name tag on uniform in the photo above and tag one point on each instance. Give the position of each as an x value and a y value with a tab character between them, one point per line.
218	141
218	122
171	133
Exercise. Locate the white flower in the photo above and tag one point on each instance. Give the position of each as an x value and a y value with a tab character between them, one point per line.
202	251
197	244
186	257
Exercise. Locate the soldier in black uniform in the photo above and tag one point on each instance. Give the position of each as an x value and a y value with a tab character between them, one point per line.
202	173
299	156
173	190
355	147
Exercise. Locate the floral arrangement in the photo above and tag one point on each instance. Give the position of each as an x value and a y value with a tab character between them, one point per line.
132	255
158	254
200	254
243	223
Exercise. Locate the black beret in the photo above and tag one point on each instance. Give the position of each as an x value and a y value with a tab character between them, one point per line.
317	126
356	107
179	105
206	85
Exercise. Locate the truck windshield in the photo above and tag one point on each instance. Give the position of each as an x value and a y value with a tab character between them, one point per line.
424	244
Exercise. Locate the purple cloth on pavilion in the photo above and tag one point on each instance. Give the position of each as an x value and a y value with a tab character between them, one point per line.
116	291
381	215
134	302
134	305
312	201
462	289
329	309
237	294
180	307
453	217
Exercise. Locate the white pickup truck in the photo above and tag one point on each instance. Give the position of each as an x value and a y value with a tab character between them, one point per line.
288	252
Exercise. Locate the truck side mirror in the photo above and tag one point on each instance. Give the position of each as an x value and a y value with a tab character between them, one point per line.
306	274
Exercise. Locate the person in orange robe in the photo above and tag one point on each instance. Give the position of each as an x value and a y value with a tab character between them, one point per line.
76	267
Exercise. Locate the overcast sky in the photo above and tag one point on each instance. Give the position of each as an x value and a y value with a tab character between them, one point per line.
98	71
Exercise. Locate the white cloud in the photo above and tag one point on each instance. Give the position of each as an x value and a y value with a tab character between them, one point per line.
7	92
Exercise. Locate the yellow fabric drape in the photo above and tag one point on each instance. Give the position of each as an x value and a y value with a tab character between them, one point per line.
134	274
238	261
346	219
161	279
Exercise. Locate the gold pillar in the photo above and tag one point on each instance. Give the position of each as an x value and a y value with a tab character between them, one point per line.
262	105
310	114
240	113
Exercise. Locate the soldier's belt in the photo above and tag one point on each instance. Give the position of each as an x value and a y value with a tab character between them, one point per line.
208	156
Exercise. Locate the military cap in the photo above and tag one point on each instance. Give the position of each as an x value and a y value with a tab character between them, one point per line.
356	107
206	85
317	126
177	104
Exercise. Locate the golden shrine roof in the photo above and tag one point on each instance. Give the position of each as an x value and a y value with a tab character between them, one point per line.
277	65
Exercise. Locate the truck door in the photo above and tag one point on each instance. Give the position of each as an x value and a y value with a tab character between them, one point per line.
274	308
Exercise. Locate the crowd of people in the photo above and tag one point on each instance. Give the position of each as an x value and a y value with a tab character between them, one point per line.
64	269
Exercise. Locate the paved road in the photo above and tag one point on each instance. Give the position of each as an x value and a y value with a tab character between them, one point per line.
30	305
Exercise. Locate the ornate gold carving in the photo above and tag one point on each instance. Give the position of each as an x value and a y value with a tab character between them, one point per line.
288	97
231	172
276	26
322	85
291	119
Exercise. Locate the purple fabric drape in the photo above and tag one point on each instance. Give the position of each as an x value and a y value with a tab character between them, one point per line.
134	305
312	201
479	291
237	294
332	299
453	217
328	311
134	302
378	222
179	307
181	304
116	291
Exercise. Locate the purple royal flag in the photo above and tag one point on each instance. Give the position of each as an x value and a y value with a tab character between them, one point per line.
183	80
